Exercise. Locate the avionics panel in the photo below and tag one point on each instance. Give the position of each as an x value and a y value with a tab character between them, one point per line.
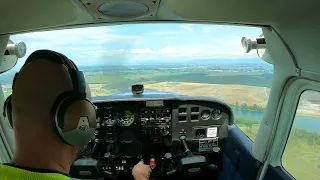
156	121
149	129
205	125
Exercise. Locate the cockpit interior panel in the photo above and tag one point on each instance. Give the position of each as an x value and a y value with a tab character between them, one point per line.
162	132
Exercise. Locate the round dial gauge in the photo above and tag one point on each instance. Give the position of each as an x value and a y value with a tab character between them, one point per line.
126	118
216	114
108	118
205	114
113	149
201	133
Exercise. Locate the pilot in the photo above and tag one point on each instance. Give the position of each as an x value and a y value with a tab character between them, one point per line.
40	152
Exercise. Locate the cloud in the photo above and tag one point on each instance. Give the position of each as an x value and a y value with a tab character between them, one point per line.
167	50
68	36
162	33
141	51
220	27
187	27
173	52
74	38
107	52
143	42
206	29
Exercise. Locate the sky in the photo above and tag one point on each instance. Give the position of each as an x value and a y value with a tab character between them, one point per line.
143	43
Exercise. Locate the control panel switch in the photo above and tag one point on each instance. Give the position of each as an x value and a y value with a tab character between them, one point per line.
152	163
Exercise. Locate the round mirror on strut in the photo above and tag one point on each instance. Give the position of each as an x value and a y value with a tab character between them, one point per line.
259	44
12	53
264	55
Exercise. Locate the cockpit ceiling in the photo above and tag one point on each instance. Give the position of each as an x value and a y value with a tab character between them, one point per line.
296	21
20	16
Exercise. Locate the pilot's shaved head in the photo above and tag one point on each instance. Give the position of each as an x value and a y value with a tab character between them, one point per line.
35	90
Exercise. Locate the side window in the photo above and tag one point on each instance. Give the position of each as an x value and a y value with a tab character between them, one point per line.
6	82
301	157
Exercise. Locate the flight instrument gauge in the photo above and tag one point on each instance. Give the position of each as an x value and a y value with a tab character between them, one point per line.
113	149
205	114
108	118
216	114
125	117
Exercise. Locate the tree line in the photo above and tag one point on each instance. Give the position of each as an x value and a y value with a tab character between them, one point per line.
247	107
312	138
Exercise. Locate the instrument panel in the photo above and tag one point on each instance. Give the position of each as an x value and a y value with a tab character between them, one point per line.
128	131
110	117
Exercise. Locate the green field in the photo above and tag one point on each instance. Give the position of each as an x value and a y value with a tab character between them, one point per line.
121	79
301	157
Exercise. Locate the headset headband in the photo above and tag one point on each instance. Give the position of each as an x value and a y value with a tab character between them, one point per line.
76	136
77	77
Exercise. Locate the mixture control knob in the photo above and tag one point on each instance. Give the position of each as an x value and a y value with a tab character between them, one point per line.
152	163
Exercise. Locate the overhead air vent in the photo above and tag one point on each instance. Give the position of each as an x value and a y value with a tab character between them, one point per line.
121	9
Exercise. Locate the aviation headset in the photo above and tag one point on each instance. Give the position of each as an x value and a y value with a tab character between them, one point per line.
82	130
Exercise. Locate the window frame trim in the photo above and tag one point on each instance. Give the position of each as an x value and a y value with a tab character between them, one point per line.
286	118
6	135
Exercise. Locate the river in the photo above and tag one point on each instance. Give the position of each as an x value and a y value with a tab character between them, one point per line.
304	122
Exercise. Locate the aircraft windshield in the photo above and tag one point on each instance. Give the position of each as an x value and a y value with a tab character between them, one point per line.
189	59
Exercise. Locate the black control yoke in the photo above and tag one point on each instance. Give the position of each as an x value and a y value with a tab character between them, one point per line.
190	165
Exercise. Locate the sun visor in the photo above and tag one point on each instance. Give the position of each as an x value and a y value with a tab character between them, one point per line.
12	53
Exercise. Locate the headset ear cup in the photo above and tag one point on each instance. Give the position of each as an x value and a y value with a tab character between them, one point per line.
75	121
7	110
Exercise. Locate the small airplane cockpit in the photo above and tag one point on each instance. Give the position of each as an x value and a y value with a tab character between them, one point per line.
178	136
190	89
